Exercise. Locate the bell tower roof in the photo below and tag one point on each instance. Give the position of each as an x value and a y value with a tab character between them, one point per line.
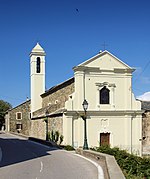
37	50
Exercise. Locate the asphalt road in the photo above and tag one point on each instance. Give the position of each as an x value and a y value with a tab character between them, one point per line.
24	159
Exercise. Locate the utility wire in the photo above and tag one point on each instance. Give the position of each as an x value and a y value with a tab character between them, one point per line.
134	81
18	99
136	89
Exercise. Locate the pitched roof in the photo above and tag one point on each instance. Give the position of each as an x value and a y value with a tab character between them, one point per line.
37	50
58	87
101	54
25	102
98	61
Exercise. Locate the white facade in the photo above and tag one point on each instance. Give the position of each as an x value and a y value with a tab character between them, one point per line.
37	76
120	118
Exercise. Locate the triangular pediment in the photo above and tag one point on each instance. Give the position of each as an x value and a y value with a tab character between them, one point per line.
105	61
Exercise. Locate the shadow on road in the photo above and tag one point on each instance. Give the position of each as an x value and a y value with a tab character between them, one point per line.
15	150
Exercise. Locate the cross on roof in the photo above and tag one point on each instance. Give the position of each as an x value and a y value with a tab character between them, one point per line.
104	46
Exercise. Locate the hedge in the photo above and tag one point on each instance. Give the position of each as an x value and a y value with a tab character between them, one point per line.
133	167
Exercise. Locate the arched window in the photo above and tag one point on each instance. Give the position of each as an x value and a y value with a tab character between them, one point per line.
38	65
104	95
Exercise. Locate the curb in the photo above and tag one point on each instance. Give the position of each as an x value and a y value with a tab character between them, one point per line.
99	168
113	169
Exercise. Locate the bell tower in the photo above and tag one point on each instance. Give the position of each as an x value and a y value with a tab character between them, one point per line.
37	76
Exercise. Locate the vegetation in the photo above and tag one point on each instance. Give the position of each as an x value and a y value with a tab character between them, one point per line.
56	137
61	138
133	167
68	147
4	106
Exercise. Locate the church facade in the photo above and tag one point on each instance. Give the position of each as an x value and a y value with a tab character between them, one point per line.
113	116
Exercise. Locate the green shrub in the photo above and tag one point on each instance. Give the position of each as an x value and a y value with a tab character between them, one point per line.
68	147
52	136
56	136
133	167
61	138
49	135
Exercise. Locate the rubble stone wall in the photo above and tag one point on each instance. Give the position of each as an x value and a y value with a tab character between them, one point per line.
25	120
58	97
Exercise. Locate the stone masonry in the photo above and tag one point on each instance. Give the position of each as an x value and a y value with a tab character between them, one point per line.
53	101
38	127
146	127
58	94
146	132
25	121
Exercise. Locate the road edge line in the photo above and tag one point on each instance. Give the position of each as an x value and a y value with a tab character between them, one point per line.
99	168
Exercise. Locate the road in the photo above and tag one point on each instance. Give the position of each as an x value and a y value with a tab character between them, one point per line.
24	159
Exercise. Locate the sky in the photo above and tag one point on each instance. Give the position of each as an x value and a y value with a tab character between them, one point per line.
71	31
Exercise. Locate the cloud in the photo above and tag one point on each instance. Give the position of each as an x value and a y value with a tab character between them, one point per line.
144	97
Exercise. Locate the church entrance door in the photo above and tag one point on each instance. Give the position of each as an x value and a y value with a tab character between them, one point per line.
104	139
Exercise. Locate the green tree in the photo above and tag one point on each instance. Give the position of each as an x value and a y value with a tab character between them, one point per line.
4	106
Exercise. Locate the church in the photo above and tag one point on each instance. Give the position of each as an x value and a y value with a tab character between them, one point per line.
95	106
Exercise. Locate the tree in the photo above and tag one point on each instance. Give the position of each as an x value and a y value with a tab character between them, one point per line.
4	106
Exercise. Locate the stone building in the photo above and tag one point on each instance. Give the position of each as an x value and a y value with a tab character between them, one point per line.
146	127
53	102
113	116
18	119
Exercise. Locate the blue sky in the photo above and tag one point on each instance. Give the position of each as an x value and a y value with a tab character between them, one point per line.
69	37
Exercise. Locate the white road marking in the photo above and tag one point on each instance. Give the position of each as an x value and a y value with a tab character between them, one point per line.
41	167
99	168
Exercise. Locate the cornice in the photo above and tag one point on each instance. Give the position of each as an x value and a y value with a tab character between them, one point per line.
100	70
105	113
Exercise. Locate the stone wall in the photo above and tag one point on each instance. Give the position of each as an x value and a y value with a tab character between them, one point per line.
25	121
38	126
146	131
38	129
54	99
41	112
55	124
59	94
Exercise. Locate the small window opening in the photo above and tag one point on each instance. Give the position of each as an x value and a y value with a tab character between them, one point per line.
18	115
38	65
18	126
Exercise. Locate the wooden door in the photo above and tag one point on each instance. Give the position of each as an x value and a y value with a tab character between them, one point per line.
104	139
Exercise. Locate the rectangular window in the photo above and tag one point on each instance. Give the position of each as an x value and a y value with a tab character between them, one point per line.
38	65
18	126
30	115
18	115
